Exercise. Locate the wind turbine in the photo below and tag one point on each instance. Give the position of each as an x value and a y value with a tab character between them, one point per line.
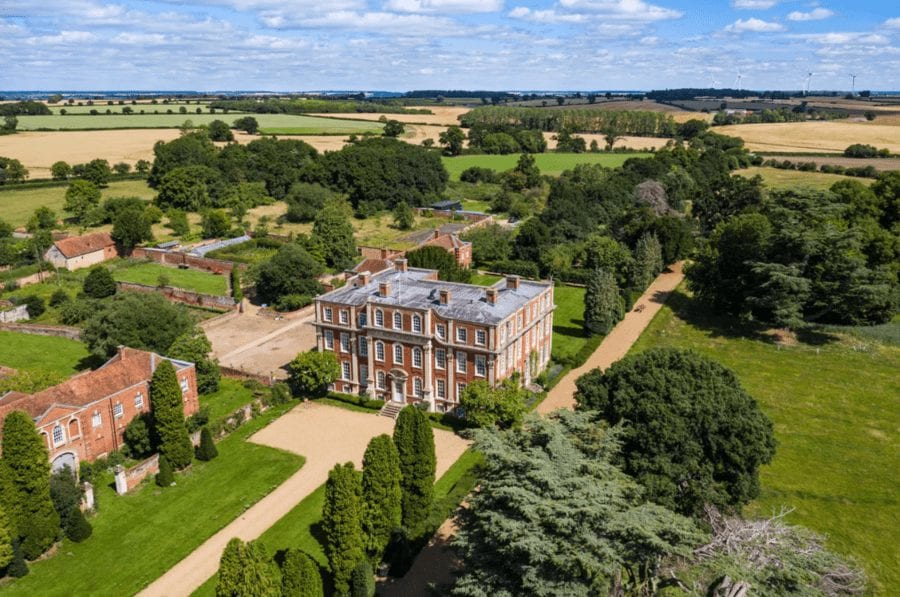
808	78
713	83
740	78
852	84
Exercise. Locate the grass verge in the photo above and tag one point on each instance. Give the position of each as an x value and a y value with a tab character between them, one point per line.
25	351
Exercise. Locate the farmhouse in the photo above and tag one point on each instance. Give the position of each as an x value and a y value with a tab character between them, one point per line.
76	252
84	417
402	335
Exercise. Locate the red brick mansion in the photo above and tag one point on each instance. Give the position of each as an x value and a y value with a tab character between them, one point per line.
401	334
84	417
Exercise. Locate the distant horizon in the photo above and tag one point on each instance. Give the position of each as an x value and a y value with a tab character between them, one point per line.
548	92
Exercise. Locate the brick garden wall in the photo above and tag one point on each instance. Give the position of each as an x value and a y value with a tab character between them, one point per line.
179	295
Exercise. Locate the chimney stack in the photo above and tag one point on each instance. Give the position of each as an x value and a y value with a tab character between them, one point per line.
363	278
512	282
491	296
444	297
401	265
384	289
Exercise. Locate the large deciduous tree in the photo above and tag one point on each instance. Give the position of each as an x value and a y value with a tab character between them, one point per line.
168	416
553	516
693	436
291	271
415	445
312	372
334	232
342	525
81	197
131	227
146	321
381	495
453	140
486	406
25	484
196	348
440	259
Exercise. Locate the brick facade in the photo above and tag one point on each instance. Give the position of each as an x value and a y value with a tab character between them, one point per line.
434	348
84	417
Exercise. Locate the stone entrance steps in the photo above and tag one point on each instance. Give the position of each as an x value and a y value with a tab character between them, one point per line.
391	409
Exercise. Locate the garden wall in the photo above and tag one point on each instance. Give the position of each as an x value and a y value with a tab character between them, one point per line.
128	479
179	295
234	373
19	313
177	258
62	331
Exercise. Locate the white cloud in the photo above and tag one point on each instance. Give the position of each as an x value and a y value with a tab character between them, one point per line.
632	10
445	6
753	4
816	14
139	39
893	23
844	38
382	23
545	16
754	25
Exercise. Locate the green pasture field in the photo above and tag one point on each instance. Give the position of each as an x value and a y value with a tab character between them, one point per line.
17	205
777	178
268	123
163	525
187	279
549	163
835	403
568	322
101	106
25	351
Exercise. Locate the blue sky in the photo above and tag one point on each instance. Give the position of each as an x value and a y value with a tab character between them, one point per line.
447	44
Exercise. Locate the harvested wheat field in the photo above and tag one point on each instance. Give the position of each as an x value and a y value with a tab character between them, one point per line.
39	150
445	115
813	136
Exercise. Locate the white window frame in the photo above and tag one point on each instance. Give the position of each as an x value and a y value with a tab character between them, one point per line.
379	380
344	316
345	342
379	350
441	389
398	320
462	363
139	401
118	410
440	358
418	391
61	433
462	335
363	319
96	420
327	314
185	386
460	388
363	346
346	372
480	365
480	337
379	318
417	357
417	324
364	375
398	352
328	338
441	331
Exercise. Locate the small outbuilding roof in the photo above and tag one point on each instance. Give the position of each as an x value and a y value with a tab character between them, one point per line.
75	246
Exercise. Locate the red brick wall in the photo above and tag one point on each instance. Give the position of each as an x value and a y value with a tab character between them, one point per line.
216	266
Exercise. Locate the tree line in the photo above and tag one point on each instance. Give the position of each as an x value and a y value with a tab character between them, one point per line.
625	122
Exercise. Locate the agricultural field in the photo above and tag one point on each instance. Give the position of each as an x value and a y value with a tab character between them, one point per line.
833	398
25	351
101	106
163	526
813	136
777	178
17	205
150	274
268	123
549	163
445	116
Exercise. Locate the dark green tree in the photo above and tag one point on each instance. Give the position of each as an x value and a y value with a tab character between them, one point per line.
248	124
554	516
362	581
166	476
98	172
603	303
189	188
527	167
219	131
715	439
168	416
393	128
300	575
207	450
18	567
215	223
438	258
6	539
131	227
306	200
81	197
25	483
291	271
146	321
404	216
138	436
60	170
415	445
99	283
381	495
66	496
192	149
333	230
485	406
78	528
229	577
453	140
312	372
648	262
247	570
178	222
195	347
35	305
341	524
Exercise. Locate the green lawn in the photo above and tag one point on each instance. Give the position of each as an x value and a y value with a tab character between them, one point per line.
268	123
568	320
188	279
299	528
836	409
484	279
24	351
102	107
777	178
549	163
139	536
17	205
230	396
